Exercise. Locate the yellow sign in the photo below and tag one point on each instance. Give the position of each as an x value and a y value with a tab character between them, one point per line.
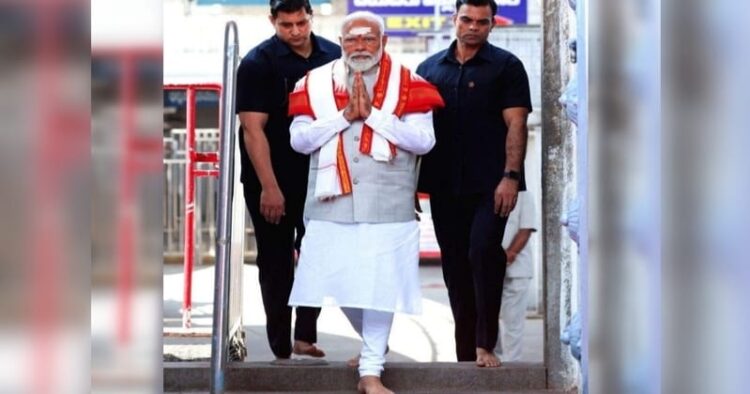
413	22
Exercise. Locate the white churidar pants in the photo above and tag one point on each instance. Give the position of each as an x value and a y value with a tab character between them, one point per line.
374	327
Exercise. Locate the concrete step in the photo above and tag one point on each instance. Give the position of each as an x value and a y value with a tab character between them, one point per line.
399	392
336	377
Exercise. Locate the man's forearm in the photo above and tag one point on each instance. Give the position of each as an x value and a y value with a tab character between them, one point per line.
257	149
519	240
515	145
308	135
414	133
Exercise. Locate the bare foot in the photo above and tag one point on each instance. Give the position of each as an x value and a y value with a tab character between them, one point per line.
487	359
372	385
303	348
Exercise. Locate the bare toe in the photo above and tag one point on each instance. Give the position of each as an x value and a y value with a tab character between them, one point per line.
487	359
372	385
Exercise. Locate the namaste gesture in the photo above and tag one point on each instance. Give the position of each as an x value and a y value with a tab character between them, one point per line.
359	102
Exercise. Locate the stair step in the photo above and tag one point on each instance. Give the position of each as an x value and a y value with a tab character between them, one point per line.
400	392
336	377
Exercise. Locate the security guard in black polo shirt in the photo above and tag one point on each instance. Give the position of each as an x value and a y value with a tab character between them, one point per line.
273	175
474	172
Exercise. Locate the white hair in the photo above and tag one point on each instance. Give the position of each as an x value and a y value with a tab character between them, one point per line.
366	15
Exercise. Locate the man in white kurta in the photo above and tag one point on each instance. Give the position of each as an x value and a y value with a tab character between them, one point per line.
518	274
364	119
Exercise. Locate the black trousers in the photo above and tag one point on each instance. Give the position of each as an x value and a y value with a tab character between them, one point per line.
470	237
276	244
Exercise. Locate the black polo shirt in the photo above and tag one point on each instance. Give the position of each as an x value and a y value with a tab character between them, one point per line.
265	78
469	153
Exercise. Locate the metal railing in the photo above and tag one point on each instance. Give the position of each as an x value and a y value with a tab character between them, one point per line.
224	244
173	209
173	201
193	158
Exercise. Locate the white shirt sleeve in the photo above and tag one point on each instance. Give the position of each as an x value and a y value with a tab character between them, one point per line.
527	212
307	134
413	133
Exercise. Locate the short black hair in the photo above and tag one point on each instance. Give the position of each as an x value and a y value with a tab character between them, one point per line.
478	3
289	6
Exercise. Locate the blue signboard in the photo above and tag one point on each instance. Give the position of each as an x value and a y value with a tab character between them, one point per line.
514	10
248	2
178	98
403	7
413	16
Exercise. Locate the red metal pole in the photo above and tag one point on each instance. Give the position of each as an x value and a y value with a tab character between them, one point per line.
187	301
192	157
203	173
126	210
47	227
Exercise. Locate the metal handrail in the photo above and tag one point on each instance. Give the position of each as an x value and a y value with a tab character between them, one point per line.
228	121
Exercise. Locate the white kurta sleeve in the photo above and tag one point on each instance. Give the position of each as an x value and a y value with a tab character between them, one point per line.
307	134
413	133
527	219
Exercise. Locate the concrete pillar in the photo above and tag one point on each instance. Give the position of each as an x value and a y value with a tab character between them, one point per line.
558	189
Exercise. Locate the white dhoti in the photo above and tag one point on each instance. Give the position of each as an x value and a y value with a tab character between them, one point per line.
359	265
369	270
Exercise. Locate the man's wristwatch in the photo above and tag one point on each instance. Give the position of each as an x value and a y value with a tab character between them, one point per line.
515	175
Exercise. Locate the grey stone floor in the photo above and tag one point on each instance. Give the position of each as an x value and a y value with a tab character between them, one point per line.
424	338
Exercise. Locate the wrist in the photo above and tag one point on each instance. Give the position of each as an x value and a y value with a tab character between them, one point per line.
269	186
512	175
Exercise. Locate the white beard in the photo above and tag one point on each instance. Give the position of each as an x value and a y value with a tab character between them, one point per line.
359	65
